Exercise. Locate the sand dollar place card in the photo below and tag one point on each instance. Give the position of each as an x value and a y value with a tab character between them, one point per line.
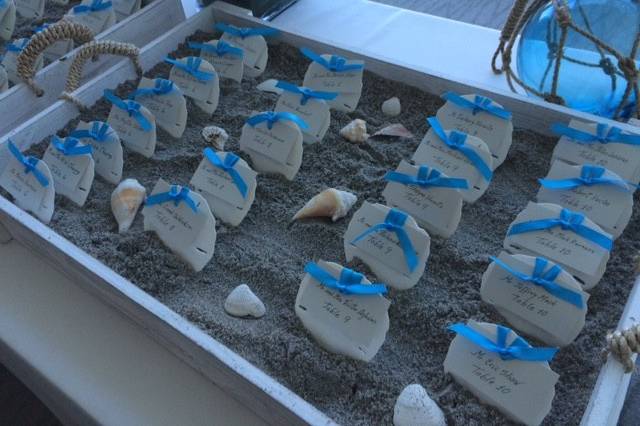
9	60
565	237
390	242
7	19
343	310
253	44
536	296
430	197
457	155
30	9
72	168
226	58
135	124
503	370
183	221
198	80
273	140
165	101
30	183
227	183
107	149
98	15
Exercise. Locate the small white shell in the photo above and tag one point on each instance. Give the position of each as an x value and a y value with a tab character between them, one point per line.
331	203
356	131
216	136
414	407
391	107
125	201
242	302
270	86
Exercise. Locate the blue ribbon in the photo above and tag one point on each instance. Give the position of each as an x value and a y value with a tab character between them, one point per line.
69	146
568	220
30	163
518	349
95	6
306	93
98	132
456	140
192	67
228	165
273	117
132	107
545	280
161	87
589	175
17	48
480	103
176	194
335	63
394	222
427	178
245	32
39	29
348	283
220	49
604	134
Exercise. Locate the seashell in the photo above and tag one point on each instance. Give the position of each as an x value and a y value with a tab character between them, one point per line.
269	86
415	407
242	302
125	201
395	131
331	203
216	136
391	107
356	131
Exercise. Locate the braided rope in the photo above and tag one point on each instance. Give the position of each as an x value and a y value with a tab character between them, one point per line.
38	43
623	344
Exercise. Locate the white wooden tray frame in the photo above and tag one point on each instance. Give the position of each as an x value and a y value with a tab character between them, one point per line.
254	389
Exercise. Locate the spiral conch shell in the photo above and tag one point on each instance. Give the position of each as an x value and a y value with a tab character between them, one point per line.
331	203
125	201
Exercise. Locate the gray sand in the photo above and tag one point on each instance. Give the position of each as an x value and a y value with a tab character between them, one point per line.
269	253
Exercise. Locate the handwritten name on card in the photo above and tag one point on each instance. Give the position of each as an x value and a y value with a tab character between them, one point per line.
72	173
255	49
226	58
131	132
197	79
7	19
107	149
164	99
315	112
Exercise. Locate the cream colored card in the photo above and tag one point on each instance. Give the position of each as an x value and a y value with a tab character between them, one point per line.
107	149
72	173
521	390
96	20
347	83
166	102
347	324
315	112
227	64
553	317
125	8
9	60
218	187
382	249
256	52
30	9
584	259
198	80
7	19
608	204
190	234
131	132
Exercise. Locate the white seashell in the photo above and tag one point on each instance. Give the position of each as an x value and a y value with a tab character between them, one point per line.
331	203
125	201
242	302
395	131
391	107
356	131
216	136
270	86
414	407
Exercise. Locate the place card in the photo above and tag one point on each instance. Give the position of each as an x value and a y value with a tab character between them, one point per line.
253	44
135	124
273	140
30	9
57	49
226	58
503	370
107	149
430	197
125	8
598	193
164	99
567	238
7	19
198	80
342	310
600	145
98	15
4	80
481	117
72	168
183	221
333	73
30	183
536	296
227	183
10	59
390	242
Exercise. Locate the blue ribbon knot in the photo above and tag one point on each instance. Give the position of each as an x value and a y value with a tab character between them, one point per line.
427	177
306	92
30	164
335	63
245	32
479	104
228	165
176	194
604	134
221	48
192	67
271	118
98	132
11	47
518	349
589	175
95	6
568	221
394	222
69	146
348	283
131	107
457	140
160	87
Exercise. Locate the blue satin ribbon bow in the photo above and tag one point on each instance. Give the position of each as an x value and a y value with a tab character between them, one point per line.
456	140
69	146
348	283
161	87
604	134
273	117
306	93
192	67
480	103
30	163
228	165
518	349
220	49
17	48
245	32
335	63
98	132
132	108
394	222
568	220
545	280
95	6
589	175
176	194
427	177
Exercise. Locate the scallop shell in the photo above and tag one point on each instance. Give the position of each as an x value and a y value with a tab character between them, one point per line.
415	407
356	131
216	136
242	302
270	87
395	131
331	203
391	107
125	201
